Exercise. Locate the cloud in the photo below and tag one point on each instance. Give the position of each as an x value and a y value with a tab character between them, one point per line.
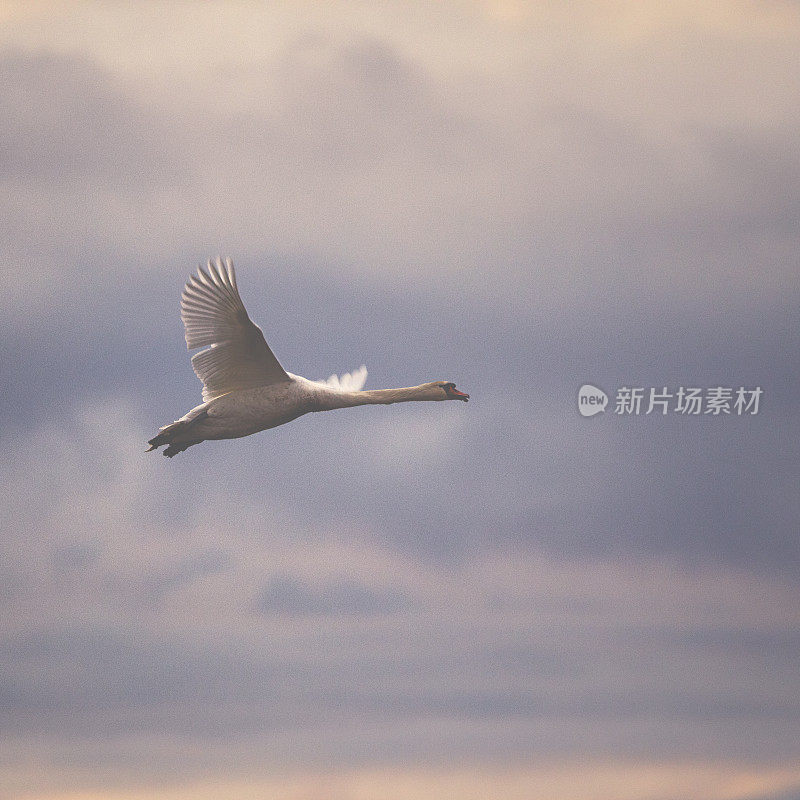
516	467
517	198
242	621
553	178
70	123
225	623
287	595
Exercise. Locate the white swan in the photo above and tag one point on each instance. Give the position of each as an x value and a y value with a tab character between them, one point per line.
245	389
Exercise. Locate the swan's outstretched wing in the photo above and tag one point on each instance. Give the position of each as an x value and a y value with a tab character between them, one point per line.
213	314
349	382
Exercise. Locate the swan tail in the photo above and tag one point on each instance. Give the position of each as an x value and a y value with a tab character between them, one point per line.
177	436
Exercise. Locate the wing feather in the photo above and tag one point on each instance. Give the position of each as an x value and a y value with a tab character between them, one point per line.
237	355
349	382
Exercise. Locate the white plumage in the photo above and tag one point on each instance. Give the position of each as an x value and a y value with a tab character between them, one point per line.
349	382
213	314
245	389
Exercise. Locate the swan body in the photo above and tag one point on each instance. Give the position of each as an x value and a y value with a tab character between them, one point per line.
245	389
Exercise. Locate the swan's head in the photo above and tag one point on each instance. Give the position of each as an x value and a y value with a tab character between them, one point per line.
451	393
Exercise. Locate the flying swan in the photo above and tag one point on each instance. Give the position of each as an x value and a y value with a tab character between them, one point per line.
245	389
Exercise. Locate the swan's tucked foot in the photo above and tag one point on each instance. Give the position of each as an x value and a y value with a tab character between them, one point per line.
157	442
176	436
178	447
174	444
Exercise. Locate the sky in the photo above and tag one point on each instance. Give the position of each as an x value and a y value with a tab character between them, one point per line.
494	599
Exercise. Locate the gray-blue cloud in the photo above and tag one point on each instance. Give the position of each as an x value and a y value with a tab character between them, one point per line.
548	244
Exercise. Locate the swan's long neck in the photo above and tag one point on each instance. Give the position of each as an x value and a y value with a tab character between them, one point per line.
336	399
